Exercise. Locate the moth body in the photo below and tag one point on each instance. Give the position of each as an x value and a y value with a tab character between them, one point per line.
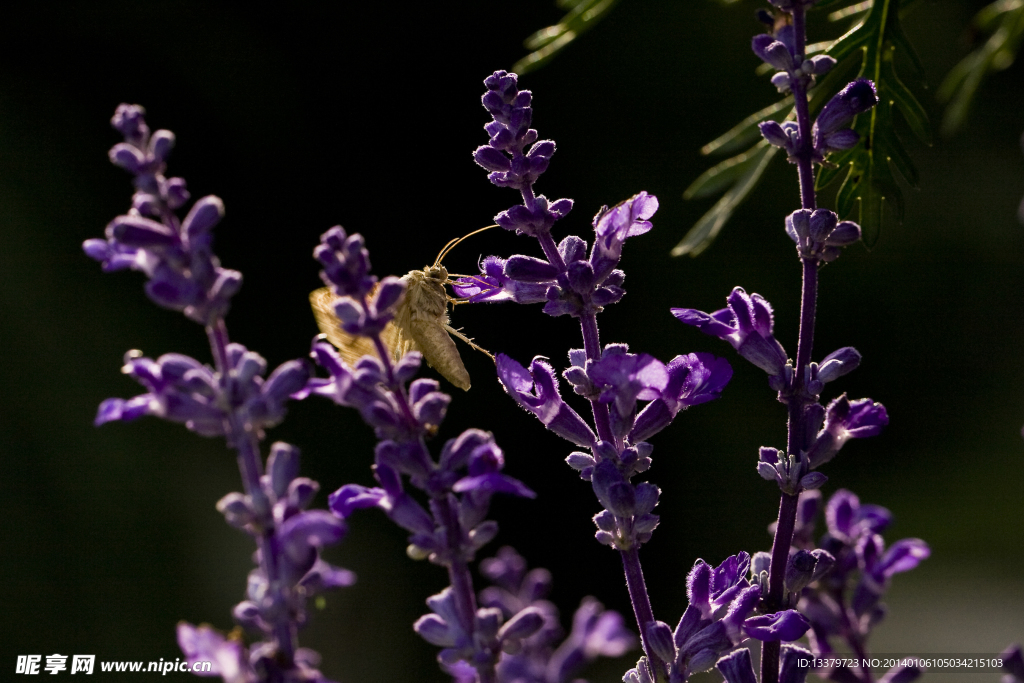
420	324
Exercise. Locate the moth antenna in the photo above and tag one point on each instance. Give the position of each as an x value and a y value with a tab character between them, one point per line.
452	243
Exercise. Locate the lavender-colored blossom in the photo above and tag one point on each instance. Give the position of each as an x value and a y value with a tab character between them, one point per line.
510	163
820	234
228	657
853	570
175	254
625	378
571	282
536	390
784	135
845	420
831	130
232	400
493	285
181	389
539	658
746	324
692	379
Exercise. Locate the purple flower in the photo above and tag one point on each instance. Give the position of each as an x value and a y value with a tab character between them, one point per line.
820	234
536	390
493	285
848	520
536	220
746	324
623	378
228	657
831	129
1013	664
784	135
175	254
181	389
613	226
692	379
781	626
845	420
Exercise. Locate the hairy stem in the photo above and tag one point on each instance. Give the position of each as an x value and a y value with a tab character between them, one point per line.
797	400
642	608
250	466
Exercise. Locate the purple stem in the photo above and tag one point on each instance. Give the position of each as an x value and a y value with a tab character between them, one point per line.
592	347
458	570
797	401
642	608
250	466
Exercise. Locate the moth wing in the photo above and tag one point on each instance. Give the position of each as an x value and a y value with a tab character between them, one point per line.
430	337
351	347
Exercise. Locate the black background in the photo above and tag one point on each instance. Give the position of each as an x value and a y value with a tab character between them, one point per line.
365	114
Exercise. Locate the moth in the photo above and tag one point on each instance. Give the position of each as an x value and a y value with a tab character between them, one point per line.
420	324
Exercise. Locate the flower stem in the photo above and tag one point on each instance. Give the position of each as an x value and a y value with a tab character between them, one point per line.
592	347
250	466
642	608
797	399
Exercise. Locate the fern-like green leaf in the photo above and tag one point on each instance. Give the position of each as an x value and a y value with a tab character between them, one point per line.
1004	20
742	172
582	16
869	185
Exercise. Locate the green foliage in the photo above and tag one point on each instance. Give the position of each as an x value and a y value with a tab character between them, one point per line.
546	43
869	183
1004	21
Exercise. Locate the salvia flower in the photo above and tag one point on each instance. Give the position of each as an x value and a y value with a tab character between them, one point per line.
717	619
746	324
779	51
545	655
510	163
232	400
853	569
1013	664
181	389
819	234
692	379
736	667
536	390
831	130
176	255
845	420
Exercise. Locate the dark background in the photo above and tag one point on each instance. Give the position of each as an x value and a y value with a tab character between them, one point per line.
365	114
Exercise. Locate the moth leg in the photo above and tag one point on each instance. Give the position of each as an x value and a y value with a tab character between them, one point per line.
454	332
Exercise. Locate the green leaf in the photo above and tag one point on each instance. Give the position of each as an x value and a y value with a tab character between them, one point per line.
870	186
1004	19
745	170
582	16
746	131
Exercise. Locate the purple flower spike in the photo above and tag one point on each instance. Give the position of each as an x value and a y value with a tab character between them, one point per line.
493	285
536	390
346	263
625	378
746	324
781	626
836	116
